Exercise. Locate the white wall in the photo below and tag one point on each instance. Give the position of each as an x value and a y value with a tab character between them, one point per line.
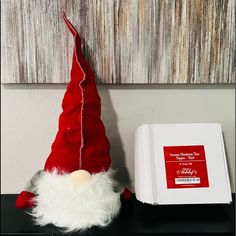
30	114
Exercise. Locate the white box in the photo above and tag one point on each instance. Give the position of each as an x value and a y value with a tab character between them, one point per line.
181	164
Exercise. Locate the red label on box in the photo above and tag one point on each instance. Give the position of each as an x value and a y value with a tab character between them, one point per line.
185	166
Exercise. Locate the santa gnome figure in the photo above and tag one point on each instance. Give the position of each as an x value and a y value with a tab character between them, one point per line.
76	189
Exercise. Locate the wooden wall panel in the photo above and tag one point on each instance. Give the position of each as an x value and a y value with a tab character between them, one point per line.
125	41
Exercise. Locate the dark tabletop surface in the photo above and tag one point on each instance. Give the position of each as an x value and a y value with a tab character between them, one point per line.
135	218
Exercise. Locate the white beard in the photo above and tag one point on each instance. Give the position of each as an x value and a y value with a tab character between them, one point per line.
72	208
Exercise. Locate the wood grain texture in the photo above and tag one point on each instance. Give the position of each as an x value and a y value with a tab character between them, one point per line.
125	41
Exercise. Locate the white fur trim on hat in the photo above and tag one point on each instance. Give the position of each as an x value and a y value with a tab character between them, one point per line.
72	208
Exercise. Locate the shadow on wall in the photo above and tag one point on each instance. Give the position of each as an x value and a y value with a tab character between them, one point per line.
110	120
227	161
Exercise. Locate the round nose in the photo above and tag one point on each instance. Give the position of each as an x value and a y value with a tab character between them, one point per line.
80	177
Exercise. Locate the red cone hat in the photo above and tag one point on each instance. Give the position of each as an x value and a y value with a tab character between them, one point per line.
81	142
